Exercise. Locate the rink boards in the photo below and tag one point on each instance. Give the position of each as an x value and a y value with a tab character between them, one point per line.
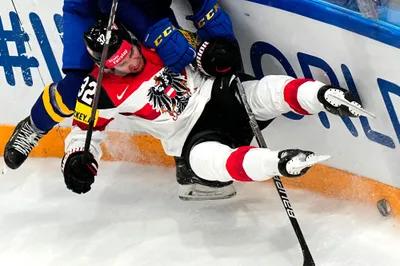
276	37
144	149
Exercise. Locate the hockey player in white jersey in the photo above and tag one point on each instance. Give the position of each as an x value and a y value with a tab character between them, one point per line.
197	114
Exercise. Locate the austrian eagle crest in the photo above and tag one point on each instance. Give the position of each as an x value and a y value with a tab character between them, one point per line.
169	94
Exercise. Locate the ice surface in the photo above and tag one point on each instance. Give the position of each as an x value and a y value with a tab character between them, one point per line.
133	216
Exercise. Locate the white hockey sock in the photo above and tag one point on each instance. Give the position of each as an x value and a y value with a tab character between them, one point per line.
214	161
277	94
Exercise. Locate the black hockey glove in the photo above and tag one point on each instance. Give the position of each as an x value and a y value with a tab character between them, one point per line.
332	105
78	176
219	57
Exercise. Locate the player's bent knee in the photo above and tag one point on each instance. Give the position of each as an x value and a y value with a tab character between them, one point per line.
57	101
208	160
54	103
69	86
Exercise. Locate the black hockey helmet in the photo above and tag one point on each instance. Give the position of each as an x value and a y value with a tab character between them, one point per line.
119	45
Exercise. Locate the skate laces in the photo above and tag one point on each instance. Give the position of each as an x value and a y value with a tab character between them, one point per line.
26	139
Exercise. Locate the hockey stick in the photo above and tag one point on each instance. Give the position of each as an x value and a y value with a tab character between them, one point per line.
99	81
307	257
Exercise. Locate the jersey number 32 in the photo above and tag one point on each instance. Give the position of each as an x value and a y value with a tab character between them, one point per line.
87	90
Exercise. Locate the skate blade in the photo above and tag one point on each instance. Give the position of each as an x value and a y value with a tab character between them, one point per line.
5	169
197	192
351	105
298	165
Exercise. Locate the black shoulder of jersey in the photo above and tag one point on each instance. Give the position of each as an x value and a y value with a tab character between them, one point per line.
87	91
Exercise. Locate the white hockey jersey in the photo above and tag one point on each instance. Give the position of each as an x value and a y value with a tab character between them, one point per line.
158	101
167	105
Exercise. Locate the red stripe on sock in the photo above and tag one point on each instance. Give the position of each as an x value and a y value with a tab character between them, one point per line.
234	164
290	95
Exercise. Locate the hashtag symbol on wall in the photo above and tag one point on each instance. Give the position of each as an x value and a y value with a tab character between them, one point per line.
21	60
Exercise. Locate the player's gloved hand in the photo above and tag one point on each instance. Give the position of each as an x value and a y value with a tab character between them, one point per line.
173	48
332	105
212	22
78	176
293	162
218	57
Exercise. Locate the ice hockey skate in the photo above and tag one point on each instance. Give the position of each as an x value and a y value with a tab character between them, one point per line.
340	102
194	188
21	143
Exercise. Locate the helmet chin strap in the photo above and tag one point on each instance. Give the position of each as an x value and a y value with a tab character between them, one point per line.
114	72
119	73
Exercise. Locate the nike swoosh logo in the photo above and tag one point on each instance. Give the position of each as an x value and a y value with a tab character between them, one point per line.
119	97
